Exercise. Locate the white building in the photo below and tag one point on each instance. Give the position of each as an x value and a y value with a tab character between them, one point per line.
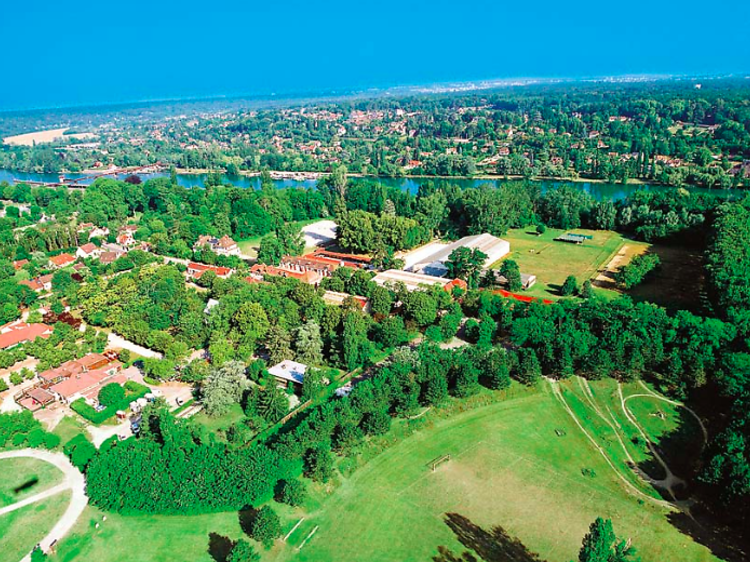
288	371
433	263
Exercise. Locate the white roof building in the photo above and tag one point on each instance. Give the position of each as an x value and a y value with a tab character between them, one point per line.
434	263
289	371
413	281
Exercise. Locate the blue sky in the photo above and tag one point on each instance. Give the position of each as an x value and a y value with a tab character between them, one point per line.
68	53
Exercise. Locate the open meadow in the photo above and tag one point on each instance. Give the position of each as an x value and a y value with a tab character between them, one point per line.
553	261
523	464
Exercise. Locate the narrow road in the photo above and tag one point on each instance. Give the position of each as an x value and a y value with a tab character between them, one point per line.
73	481
115	340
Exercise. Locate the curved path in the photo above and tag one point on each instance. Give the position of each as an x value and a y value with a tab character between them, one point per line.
629	485
73	481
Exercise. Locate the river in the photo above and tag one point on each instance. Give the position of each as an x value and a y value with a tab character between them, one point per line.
599	191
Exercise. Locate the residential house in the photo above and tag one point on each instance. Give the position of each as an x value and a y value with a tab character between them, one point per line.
18	264
223	246
39	284
196	270
126	235
88	250
288	372
60	261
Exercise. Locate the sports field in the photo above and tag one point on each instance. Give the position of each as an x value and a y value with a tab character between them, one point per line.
510	468
523	464
553	261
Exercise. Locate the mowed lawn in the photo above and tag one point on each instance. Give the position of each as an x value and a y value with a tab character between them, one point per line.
509	468
553	261
25	477
21	530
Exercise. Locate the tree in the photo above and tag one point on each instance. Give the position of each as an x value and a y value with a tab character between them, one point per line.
111	394
512	273
265	526
291	492
319	463
278	342
601	545
529	371
272	402
569	287
242	551
587	291
309	344
223	387
312	382
466	263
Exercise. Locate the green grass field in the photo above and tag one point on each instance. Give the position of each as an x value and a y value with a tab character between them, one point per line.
249	246
68	428
24	471
509	467
21	530
220	423
553	261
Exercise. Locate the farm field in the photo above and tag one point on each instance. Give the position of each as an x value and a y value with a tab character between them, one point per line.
29	476
522	464
553	261
24	528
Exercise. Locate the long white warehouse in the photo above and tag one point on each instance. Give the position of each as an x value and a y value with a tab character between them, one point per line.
434	263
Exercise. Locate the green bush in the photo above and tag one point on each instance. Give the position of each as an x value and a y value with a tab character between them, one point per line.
111	393
291	492
265	526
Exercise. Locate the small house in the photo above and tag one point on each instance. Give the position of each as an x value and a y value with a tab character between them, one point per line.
288	372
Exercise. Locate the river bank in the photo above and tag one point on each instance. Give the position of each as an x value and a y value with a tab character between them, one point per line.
598	189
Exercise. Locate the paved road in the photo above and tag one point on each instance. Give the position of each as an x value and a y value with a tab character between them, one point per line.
118	341
73	481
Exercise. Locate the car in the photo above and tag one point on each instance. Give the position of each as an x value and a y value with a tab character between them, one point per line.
100	407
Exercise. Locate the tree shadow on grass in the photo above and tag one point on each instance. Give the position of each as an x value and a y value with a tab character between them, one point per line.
725	543
247	516
495	545
219	547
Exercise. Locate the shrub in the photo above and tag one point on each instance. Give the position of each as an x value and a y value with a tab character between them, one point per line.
80	450
111	393
265	526
243	551
291	492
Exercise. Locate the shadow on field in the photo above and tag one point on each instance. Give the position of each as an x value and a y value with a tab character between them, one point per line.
723	542
219	547
495	545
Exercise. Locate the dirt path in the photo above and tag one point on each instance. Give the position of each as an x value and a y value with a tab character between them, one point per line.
73	481
629	485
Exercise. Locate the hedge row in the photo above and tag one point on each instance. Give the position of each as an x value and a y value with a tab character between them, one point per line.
133	391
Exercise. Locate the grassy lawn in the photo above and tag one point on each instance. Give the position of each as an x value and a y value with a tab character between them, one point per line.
509	467
220	423
30	476
553	261
144	538
68	428
250	246
22	529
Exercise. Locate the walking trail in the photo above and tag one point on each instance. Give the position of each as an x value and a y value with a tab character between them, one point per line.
73	481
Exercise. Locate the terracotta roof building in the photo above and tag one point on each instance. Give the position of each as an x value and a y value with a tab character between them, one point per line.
18	332
61	260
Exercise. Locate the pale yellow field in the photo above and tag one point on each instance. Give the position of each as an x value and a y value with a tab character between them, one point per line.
40	137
